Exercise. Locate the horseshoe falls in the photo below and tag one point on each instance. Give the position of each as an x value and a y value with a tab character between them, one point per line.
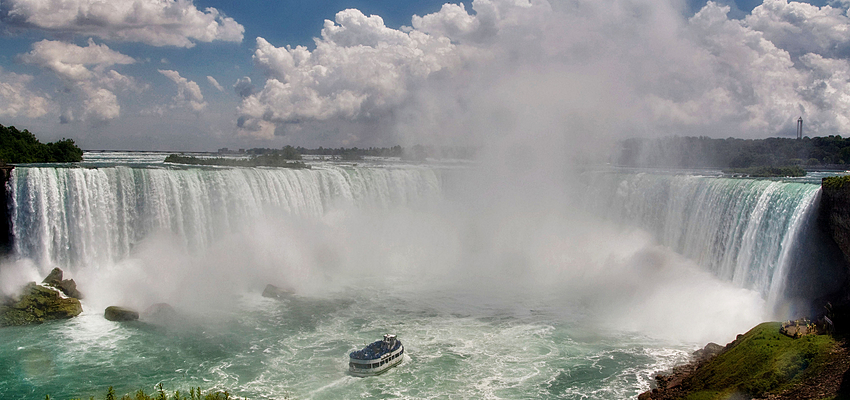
503	289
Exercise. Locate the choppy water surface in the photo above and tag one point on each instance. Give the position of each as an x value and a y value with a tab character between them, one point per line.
297	348
500	288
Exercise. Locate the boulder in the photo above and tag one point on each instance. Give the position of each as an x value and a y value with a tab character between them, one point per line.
274	292
115	313
39	303
53	278
710	350
67	286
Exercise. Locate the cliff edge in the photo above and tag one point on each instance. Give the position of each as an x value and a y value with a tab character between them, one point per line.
764	363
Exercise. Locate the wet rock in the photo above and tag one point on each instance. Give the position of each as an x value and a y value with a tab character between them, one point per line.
710	350
274	292
54	278
67	286
115	313
37	304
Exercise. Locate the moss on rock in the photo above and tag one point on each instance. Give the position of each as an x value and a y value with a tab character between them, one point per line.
37	304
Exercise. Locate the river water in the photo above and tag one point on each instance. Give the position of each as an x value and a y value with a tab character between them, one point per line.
503	297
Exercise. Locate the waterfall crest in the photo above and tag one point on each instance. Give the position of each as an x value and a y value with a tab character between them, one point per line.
76	216
743	230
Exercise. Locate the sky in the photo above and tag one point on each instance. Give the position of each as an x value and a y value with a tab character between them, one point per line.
179	75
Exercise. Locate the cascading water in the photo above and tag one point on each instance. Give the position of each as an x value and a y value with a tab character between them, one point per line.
78	216
493	297
742	230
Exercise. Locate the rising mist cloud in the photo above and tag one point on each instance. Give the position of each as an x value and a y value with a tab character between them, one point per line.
648	68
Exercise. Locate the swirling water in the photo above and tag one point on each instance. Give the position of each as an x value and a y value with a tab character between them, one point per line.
593	326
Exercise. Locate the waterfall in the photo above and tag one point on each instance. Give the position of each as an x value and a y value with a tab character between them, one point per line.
742	230
78	216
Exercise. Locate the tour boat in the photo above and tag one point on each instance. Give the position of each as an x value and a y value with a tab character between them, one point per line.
377	357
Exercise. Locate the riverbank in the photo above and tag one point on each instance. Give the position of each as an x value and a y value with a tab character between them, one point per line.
764	364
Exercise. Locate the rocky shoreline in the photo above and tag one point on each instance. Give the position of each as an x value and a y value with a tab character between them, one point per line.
54	298
804	370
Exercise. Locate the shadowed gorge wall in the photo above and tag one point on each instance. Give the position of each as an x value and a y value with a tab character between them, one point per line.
5	222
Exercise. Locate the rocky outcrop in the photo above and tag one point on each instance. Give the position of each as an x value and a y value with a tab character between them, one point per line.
5	218
37	304
115	313
67	286
835	211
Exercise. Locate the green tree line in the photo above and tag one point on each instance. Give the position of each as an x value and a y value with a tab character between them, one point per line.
23	147
704	152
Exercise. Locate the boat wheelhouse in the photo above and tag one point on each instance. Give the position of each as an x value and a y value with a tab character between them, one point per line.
377	357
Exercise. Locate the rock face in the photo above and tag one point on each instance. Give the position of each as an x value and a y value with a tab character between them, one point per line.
37	304
835	211
114	313
5	219
67	286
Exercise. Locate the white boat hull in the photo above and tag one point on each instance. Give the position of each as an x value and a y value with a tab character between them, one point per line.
376	366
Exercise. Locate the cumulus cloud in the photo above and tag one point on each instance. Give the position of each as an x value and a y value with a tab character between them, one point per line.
154	22
214	83
188	92
70	61
16	99
625	66
243	87
801	28
359	69
88	74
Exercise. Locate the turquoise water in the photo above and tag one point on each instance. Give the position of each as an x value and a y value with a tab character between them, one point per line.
499	289
297	349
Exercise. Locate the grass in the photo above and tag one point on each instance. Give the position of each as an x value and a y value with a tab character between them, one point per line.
161	394
762	361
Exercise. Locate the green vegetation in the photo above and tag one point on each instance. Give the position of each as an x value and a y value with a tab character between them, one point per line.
23	147
762	361
835	182
161	394
767	172
265	160
831	152
417	152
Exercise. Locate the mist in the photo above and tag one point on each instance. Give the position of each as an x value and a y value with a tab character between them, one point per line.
511	233
543	90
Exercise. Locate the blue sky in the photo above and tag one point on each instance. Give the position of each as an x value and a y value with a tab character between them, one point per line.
142	75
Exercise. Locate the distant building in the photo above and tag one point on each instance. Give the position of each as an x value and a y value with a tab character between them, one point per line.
800	128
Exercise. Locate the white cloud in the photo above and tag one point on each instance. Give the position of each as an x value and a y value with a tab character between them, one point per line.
188	92
243	87
16	99
644	67
70	61
214	83
801	28
359	69
86	71
154	22
100	105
